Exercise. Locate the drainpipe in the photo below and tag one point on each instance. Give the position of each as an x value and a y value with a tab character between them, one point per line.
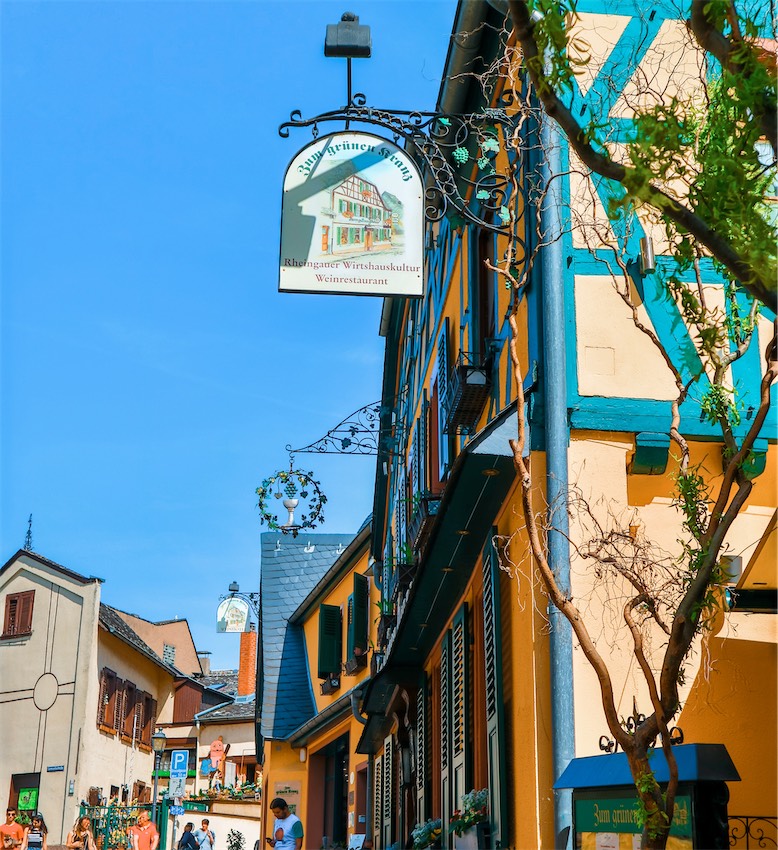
557	441
355	710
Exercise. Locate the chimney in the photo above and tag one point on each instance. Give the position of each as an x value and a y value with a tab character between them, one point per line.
247	666
204	657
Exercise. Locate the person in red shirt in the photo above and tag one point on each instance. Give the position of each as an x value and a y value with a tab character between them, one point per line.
144	834
11	832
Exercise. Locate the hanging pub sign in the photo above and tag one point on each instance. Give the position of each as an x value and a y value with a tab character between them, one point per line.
352	219
232	615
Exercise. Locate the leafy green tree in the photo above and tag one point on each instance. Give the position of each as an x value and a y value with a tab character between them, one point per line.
701	163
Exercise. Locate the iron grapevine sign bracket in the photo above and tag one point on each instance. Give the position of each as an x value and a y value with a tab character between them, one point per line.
456	154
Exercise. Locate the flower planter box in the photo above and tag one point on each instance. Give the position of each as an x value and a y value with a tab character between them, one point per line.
477	837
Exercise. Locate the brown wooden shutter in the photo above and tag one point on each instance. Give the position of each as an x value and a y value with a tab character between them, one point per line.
109	713
102	697
26	600
18	613
118	715
130	697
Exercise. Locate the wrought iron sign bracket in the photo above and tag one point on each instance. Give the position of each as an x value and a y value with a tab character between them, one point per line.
358	434
457	153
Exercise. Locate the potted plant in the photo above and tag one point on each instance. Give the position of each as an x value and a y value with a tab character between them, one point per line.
470	822
427	834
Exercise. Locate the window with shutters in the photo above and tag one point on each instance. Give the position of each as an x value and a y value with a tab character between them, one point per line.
106	707
129	729
168	653
357	627
496	738
440	392
118	703
109	698
422	756
461	732
378	799
330	641
149	718
445	729
18	614
390	804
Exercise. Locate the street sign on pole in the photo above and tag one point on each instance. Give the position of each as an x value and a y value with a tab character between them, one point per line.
177	787
179	764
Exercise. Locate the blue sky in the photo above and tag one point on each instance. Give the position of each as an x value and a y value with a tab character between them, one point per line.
151	372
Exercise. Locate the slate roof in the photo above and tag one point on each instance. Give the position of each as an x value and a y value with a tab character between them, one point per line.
230	711
223	681
291	568
111	620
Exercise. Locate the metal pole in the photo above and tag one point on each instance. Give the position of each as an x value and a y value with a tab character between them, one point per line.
157	760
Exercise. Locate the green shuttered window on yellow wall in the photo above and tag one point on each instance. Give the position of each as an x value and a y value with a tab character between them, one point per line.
330	640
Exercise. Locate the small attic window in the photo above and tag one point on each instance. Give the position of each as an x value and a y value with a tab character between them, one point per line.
169	654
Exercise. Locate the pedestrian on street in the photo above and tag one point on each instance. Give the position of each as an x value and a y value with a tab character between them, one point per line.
144	835
35	834
80	837
12	833
287	829
205	836
187	840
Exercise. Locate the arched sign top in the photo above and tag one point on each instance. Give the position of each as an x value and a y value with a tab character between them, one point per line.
352	219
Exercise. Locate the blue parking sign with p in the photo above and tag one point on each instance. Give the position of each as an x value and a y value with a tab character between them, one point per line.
179	763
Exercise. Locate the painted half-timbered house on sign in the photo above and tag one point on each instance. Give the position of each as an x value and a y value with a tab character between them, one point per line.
480	685
361	221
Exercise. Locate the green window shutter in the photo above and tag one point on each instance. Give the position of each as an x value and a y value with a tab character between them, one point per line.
460	708
413	465
350	636
389	803
443	439
378	799
445	736
361	612
496	739
422	757
421	441
330	640
402	514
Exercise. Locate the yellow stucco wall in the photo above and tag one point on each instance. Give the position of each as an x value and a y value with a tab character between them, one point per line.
338	595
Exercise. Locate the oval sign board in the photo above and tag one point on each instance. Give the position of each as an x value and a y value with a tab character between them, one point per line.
352	219
232	615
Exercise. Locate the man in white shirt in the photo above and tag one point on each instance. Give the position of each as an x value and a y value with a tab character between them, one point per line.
287	829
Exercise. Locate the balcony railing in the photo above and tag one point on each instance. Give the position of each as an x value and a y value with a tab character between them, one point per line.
422	519
469	388
752	831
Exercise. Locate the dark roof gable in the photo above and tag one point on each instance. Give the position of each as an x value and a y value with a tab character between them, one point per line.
291	568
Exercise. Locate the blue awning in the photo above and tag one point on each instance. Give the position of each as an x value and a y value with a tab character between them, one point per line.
696	763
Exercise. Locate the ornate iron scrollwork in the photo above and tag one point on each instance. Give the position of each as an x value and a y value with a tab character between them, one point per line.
448	145
358	434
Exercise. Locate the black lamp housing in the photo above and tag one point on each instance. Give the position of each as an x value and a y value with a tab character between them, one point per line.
348	39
